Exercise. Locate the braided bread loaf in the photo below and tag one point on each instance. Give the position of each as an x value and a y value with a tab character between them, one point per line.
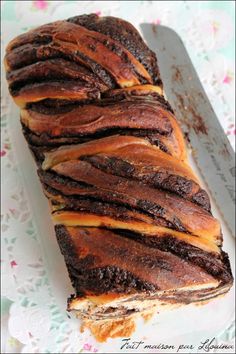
133	223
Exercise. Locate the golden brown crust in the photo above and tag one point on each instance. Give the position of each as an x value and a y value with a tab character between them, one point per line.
71	39
131	219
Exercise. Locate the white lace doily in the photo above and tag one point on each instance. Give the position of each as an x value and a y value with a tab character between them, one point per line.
34	321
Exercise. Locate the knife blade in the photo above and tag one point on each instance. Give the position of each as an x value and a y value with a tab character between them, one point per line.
212	151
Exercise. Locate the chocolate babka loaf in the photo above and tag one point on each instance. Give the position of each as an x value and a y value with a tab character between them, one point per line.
131	219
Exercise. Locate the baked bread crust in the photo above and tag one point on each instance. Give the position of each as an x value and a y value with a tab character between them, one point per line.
131	218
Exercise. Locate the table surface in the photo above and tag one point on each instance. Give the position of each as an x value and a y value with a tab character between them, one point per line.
207	30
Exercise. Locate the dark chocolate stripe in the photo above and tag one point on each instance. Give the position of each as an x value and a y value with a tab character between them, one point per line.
114	48
85	276
29	54
67	186
51	106
49	70
141	94
124	33
97	261
49	177
71	86
126	115
107	98
173	208
39	39
217	266
46	141
97	69
98	206
110	278
160	179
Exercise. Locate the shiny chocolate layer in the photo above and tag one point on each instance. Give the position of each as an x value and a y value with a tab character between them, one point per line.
97	263
135	158
32	54
127	35
184	214
141	118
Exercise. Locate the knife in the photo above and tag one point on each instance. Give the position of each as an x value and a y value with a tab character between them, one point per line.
212	151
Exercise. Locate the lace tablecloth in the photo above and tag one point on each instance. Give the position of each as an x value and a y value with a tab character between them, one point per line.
31	320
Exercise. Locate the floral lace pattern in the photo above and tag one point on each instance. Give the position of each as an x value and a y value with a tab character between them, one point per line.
36	323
